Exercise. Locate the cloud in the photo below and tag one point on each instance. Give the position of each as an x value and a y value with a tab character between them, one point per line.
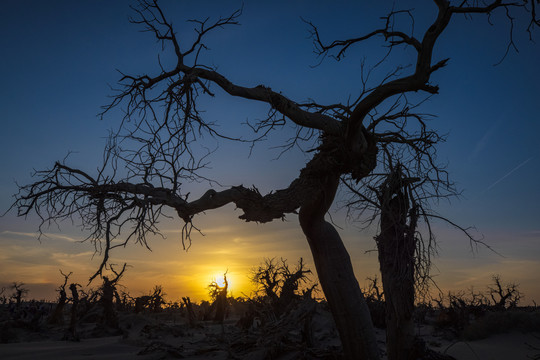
484	140
507	174
72	261
20	254
36	235
22	234
62	237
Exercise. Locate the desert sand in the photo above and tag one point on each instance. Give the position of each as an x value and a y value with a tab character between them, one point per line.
151	336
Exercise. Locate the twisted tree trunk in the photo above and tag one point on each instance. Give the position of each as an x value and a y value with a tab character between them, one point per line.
337	277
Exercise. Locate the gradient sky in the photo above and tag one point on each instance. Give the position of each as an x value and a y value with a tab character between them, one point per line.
59	57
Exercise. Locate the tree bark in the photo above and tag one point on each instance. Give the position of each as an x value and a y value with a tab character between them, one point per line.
396	246
336	276
399	297
71	333
109	315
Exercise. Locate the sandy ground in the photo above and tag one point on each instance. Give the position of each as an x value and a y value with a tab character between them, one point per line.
168	336
101	348
513	346
505	346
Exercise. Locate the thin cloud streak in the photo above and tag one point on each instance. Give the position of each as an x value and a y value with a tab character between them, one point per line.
507	175
19	233
44	235
484	140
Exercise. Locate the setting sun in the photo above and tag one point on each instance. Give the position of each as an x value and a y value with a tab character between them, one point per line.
238	282
322	181
220	280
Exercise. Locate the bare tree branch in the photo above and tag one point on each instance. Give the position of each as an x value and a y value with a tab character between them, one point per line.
160	146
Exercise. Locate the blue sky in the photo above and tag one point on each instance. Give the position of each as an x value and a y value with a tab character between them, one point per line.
58	59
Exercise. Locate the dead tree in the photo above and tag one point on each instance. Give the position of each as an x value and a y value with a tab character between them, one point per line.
71	332
157	299
58	315
120	305
109	315
267	278
291	282
399	197
19	292
156	148
402	259
375	300
108	289
142	303
373	291
220	301
192	318
397	244
504	296
278	286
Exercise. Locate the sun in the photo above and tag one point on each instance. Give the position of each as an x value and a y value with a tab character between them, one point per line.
220	281
237	281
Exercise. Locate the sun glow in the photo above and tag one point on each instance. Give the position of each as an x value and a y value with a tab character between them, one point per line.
220	281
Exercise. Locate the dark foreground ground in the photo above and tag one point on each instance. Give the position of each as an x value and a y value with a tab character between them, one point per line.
167	335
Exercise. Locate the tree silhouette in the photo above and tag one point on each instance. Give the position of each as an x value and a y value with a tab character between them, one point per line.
108	289
154	153
19	292
503	296
58	316
71	331
278	286
220	301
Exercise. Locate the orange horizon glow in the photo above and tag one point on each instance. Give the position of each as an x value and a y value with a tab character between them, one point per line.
235	249
239	286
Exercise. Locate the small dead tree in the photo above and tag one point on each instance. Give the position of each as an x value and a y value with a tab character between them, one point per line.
267	278
220	301
291	282
120	305
71	332
19	292
373	290
127	301
375	300
142	303
504	297
108	289
279	286
58	315
192	318
157	298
